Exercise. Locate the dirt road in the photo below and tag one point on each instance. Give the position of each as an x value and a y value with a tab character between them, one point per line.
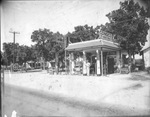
25	94
28	102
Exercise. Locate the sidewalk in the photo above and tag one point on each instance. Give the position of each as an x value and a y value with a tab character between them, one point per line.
116	89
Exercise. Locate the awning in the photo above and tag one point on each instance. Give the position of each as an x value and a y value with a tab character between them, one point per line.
93	45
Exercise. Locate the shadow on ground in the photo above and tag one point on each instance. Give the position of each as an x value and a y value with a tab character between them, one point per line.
137	77
134	87
105	109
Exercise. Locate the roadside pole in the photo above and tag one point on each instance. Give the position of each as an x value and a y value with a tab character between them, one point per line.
2	92
14	33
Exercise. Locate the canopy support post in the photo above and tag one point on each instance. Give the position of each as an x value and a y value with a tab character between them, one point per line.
102	61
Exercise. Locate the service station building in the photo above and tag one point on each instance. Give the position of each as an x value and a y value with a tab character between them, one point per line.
106	55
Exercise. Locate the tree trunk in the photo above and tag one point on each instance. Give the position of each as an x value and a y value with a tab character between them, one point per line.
143	61
133	59
44	65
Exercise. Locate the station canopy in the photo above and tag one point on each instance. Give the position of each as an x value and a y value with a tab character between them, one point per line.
93	45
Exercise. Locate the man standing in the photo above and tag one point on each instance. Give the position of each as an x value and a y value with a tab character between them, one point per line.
49	67
11	67
88	68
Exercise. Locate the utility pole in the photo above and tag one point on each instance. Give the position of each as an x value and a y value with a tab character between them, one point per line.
14	45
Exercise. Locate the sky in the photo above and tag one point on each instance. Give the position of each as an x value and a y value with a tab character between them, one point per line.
26	16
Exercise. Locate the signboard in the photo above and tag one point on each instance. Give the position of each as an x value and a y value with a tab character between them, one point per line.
106	36
120	37
111	53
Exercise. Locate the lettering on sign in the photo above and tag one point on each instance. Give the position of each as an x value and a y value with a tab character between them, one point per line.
120	37
106	36
112	53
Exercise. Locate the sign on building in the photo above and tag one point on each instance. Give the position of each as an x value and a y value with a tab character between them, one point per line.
120	37
111	53
109	37
105	35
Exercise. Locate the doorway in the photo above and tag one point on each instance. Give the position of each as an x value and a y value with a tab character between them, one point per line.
110	65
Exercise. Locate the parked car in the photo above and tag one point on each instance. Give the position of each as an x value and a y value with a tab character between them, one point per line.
148	70
139	64
16	67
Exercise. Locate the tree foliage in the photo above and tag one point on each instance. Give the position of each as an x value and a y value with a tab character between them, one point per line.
10	51
130	22
130	26
42	39
48	45
57	50
83	33
21	53
25	54
3	60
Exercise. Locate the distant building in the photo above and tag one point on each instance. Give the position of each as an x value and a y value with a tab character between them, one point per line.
146	49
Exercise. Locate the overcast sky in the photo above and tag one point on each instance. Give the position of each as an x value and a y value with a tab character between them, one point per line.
62	16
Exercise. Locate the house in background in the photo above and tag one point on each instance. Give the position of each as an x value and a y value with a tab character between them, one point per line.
146	49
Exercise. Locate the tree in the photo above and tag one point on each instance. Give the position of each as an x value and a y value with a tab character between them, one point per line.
57	45
48	45
10	51
130	22
21	53
42	39
24	54
83	33
3	60
34	54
